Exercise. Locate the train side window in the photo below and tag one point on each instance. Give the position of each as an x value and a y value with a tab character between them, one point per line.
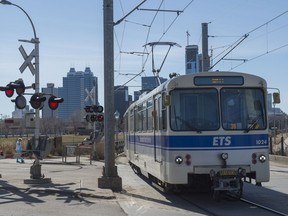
149	115
139	118
157	113
126	119
144	117
163	116
132	122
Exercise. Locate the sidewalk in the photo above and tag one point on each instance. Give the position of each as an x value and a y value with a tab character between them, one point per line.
72	181
68	178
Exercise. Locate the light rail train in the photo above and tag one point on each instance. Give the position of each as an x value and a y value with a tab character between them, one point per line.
206	128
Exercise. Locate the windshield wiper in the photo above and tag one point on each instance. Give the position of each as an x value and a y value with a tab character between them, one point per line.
252	126
194	129
188	125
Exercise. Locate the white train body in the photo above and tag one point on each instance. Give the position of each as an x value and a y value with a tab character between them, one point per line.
205	124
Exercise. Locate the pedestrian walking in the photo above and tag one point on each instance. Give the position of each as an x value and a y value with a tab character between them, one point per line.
19	148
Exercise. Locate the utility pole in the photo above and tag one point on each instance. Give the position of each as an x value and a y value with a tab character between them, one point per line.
110	178
205	56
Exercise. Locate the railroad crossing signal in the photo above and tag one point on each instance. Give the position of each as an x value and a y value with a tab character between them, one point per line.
94	113
54	101
19	86
27	60
37	101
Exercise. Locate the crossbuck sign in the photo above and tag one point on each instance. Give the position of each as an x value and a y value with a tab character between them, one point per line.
27	60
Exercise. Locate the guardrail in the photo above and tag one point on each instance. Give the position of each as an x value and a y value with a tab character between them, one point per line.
278	149
119	146
77	150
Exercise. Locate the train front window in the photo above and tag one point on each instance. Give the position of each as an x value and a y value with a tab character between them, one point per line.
194	110
243	109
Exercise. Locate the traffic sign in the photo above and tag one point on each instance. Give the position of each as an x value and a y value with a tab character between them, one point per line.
27	61
90	95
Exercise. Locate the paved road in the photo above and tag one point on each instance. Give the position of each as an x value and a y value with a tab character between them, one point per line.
74	191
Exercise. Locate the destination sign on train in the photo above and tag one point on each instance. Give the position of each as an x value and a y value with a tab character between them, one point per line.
221	80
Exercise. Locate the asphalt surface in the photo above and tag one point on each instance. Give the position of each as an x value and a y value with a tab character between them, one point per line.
73	190
70	177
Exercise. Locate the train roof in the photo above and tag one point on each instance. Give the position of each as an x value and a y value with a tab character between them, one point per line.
249	80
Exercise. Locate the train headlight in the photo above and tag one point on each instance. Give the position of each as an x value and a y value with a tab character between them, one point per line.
178	159
224	156
262	158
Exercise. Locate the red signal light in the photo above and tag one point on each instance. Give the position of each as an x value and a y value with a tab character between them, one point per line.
100	118
53	105
9	89
9	92
54	102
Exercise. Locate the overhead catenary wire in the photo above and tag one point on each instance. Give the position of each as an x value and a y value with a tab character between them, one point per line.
146	58
242	39
248	33
263	54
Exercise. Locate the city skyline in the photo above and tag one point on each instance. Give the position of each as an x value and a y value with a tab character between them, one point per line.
71	35
79	81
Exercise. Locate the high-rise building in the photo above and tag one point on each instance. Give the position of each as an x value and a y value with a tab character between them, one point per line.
121	99
148	84
151	82
79	89
191	59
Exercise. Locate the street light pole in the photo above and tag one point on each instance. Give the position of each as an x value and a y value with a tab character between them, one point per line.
110	178
36	42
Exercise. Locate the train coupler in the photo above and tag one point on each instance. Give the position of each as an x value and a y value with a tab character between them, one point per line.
228	181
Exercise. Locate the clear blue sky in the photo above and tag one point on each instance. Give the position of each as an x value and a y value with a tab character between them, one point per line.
71	35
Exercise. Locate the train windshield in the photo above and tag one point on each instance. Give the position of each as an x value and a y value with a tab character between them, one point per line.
198	109
243	109
194	110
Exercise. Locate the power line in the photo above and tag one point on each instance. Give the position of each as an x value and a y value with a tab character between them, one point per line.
267	22
243	38
145	60
263	54
248	33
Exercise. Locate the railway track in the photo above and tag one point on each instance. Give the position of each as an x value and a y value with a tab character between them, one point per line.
263	207
228	206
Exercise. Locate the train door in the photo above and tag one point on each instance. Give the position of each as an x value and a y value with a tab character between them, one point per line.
131	131
157	127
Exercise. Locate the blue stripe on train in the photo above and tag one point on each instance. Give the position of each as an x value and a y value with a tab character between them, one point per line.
258	141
